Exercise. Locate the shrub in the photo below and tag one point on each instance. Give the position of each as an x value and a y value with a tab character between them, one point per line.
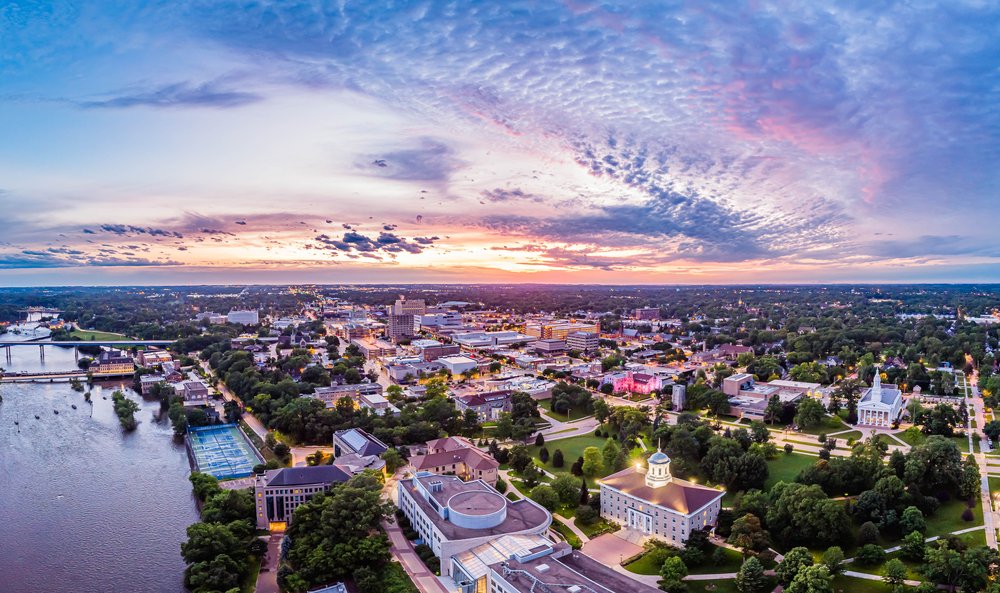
557	458
586	515
501	486
543	454
870	555
822	437
868	533
789	448
824	454
967	515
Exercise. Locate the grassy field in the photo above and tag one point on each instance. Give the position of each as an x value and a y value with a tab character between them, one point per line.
786	467
572	448
915	437
948	517
93	335
829	424
574	414
847	584
571	538
643	565
731	563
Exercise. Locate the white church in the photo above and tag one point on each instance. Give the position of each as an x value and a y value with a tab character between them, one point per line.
879	405
658	505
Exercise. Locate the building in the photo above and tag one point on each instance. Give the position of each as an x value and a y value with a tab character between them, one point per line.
584	341
533	564
401	322
149	358
330	395
278	492
549	346
357	442
488	405
372	349
646	313
632	382
452	516
432	349
457	365
146	382
475	340
195	393
457	456
112	362
559	329
879	405
678	397
658	505
250	317
334	588
440	320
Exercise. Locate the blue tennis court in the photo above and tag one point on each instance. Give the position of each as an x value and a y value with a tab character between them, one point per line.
222	451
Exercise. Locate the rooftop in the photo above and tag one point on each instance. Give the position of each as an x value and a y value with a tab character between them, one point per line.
300	476
677	495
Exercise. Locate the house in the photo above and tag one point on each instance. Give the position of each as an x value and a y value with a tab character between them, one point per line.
452	516
658	505
457	456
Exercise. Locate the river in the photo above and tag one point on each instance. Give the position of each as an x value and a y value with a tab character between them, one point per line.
85	507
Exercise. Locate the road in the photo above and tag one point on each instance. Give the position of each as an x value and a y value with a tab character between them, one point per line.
267	580
976	405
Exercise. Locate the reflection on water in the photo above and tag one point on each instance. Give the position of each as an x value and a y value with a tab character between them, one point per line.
85	507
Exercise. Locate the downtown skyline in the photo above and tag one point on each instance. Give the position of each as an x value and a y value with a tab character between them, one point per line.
576	142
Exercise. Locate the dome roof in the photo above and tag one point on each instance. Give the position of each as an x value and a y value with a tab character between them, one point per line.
659	457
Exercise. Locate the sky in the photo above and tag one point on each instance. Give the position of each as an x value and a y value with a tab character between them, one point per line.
201	142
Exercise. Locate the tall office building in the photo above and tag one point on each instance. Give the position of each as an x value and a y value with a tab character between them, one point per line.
403	314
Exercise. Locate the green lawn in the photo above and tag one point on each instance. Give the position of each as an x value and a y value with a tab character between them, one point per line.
572	449
598	527
948	517
94	335
994	484
786	467
854	434
718	586
913	436
845	584
829	424
732	561
574	414
643	565
567	533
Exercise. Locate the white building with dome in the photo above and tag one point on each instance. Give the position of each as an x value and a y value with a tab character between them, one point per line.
879	405
658	505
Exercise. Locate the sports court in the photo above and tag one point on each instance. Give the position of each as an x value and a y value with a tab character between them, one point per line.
222	451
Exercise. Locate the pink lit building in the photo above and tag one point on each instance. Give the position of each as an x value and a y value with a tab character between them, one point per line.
629	382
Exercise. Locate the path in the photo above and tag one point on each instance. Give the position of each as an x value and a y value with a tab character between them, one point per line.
259	429
267	578
986	497
402	550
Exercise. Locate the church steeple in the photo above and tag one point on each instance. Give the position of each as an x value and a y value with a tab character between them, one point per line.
877	384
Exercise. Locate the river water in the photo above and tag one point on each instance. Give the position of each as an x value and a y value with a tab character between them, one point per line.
85	507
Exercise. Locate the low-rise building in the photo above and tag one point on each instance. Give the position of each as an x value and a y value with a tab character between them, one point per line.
488	405
658	505
457	456
150	358
358	442
457	365
453	516
583	341
879	405
278	492
476	340
549	346
249	317
332	394
631	382
112	362
195	393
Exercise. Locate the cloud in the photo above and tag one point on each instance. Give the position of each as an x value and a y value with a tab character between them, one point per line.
180	94
353	243
430	160
508	195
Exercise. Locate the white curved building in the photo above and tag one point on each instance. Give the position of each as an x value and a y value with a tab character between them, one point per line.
453	516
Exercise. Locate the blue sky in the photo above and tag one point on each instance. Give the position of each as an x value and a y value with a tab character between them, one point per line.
572	141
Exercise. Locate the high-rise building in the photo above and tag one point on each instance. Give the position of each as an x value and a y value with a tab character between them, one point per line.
402	318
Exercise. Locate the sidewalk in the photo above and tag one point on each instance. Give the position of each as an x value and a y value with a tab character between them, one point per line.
402	550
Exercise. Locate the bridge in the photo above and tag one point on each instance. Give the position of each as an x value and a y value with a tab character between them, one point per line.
55	376
42	343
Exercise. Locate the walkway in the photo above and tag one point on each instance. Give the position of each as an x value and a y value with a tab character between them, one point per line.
402	550
986	497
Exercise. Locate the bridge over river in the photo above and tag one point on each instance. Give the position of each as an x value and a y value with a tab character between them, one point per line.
42	343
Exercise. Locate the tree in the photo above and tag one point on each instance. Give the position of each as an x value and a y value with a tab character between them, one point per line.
867	533
609	455
934	465
393	460
672	574
803	514
520	458
833	559
794	561
971	480
557	458
812	579
912	520
870	555
577	468
913	547
546	496
543	455
810	413
895	573
750	578
539	440
567	487
747	534
593	461
531	475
